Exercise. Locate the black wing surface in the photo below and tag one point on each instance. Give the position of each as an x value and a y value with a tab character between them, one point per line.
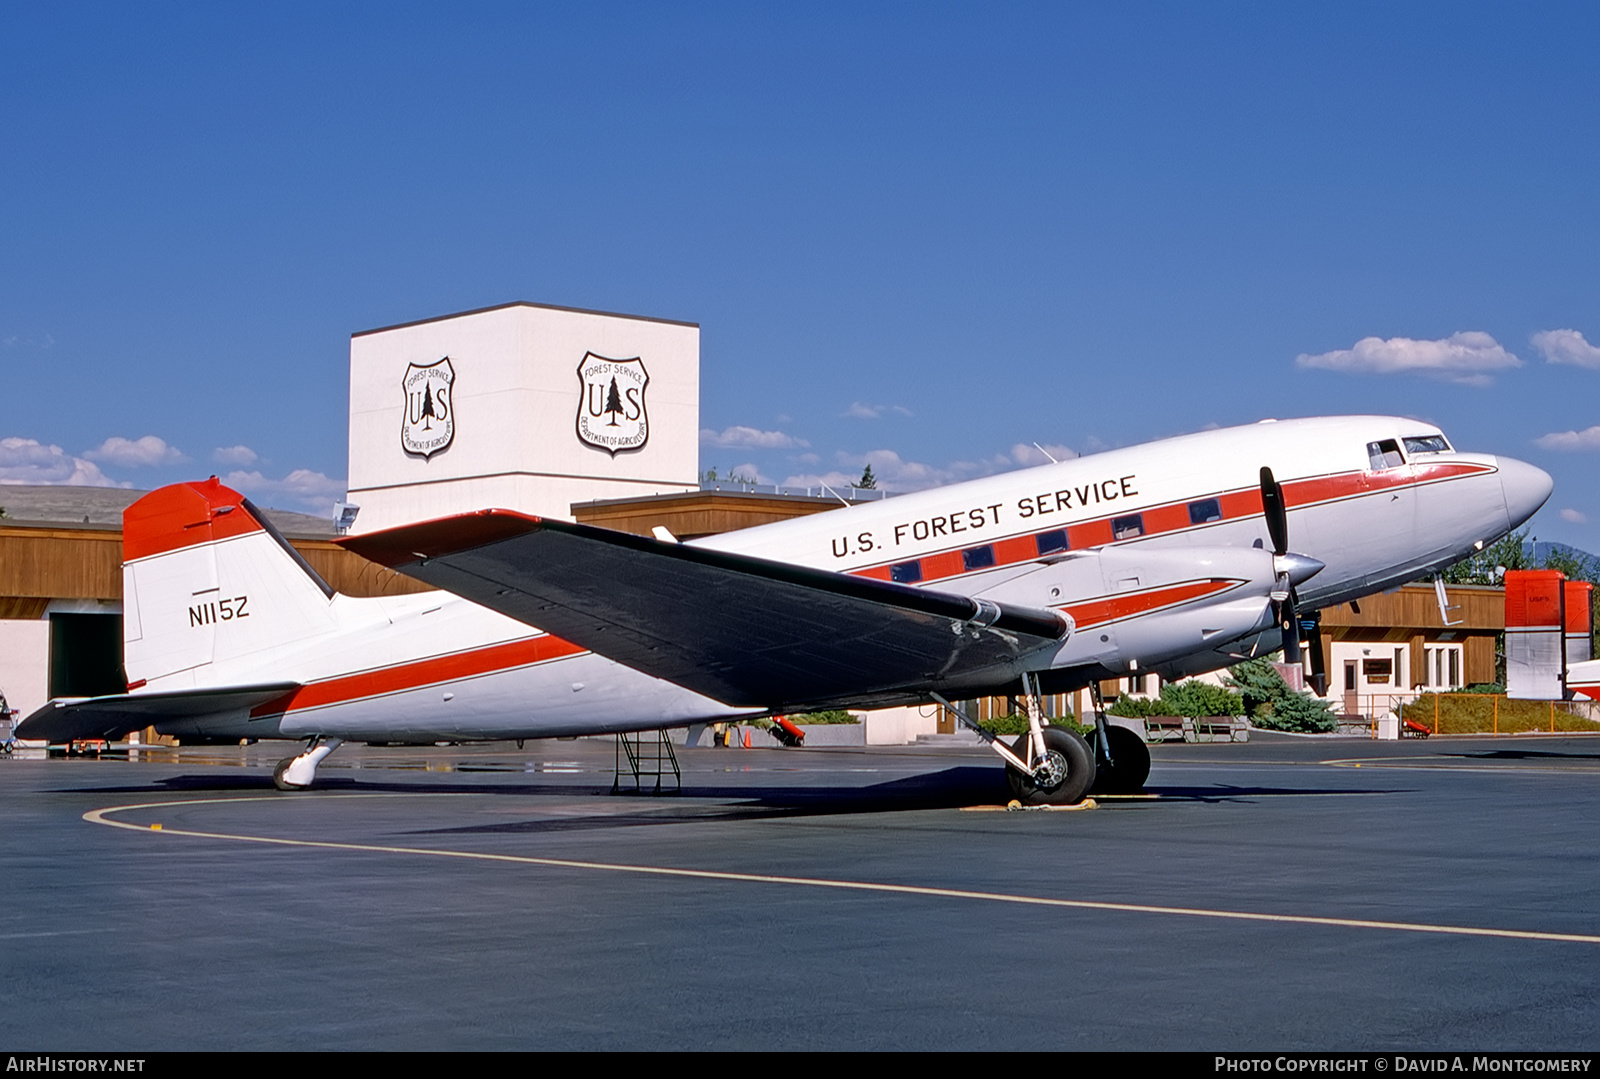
68	719
744	631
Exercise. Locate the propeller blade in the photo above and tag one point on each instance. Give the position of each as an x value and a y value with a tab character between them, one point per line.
1289	623
1319	667
1276	513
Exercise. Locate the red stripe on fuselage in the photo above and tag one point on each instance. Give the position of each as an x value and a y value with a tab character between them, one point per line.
1170	518
423	672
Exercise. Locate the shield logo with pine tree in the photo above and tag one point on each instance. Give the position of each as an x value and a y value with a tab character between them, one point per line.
429	423
611	412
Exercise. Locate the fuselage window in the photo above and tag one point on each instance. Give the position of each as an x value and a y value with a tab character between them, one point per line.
1127	527
1205	511
906	572
1051	542
977	557
1427	444
1385	454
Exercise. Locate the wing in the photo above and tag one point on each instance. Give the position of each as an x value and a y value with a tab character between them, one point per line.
744	631
66	719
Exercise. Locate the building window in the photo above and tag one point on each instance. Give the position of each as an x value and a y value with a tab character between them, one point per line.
1129	527
906	572
1442	666
1205	511
1051	542
977	558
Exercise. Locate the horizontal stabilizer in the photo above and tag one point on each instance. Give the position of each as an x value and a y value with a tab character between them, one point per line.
744	631
66	719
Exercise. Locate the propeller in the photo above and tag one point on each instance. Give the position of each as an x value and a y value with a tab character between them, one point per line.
1291	569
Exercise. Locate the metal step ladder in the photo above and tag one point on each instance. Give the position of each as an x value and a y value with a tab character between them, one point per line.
650	755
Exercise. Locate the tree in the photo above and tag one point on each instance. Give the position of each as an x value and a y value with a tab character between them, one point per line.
427	407
1270	703
867	482
1489	565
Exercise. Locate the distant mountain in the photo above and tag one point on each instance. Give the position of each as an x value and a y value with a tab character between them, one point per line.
1540	553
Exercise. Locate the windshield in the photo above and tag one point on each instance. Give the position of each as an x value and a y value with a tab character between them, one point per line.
1426	444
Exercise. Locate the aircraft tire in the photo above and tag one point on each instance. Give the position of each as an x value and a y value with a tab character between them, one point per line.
1078	762
1130	762
277	776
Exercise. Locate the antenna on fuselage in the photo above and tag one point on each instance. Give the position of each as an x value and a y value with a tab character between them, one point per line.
1047	453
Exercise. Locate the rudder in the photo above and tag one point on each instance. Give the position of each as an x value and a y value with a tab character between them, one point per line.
208	581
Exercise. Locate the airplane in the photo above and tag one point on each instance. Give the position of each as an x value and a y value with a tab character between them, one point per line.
1175	557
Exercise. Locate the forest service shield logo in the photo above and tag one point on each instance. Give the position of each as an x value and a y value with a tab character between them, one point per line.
429	422
611	413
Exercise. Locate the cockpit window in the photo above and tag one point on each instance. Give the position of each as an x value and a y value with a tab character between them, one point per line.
1385	454
1427	444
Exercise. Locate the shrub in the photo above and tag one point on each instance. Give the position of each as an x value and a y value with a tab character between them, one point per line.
1139	707
1017	723
1272	705
1477	713
1196	698
823	718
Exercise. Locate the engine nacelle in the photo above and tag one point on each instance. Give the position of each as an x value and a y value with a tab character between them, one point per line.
1136	607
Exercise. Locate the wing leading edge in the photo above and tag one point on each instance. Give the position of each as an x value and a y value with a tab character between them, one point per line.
744	631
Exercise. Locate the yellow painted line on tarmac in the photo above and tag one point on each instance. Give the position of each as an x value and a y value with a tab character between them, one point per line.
1416	764
101	816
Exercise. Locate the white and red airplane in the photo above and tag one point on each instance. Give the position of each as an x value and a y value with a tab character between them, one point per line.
1173	557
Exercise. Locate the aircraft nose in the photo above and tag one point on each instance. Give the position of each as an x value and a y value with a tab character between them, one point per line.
1526	488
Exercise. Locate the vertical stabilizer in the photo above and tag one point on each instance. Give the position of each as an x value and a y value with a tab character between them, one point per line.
208	582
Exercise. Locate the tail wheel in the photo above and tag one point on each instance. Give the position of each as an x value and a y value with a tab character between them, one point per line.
277	776
1130	762
1070	764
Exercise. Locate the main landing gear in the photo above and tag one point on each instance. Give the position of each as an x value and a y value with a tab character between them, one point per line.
297	773
1057	767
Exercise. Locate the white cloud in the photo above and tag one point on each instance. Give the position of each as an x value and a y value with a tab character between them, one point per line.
1587	439
18	341
136	453
751	438
234	455
896	474
1566	346
26	460
1574	516
1465	357
859	411
1027	455
310	490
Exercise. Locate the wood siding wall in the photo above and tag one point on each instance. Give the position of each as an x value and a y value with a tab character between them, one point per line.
697	513
41	564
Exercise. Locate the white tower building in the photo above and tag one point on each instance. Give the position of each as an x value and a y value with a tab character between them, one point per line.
523	407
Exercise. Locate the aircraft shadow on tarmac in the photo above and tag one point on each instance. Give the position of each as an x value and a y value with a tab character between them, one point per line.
1524	754
950	788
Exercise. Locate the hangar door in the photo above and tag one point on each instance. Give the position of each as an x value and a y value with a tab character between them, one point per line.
86	655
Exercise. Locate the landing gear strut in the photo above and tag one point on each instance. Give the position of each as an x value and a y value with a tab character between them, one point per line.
1046	766
1121	759
297	773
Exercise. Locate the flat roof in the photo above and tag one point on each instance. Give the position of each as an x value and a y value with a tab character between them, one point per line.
525	303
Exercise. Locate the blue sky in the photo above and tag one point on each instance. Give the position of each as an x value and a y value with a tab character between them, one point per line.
920	235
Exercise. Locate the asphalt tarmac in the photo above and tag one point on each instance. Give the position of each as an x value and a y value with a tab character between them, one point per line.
1280	895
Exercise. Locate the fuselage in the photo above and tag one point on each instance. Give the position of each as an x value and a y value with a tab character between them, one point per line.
1378	500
